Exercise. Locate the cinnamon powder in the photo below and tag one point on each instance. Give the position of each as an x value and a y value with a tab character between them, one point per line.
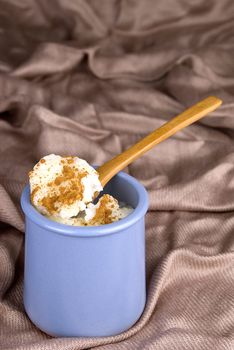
36	189
66	188
104	213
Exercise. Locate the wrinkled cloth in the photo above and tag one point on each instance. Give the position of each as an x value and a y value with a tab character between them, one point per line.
89	79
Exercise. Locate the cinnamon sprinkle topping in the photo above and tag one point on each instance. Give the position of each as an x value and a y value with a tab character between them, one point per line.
66	188
104	213
36	189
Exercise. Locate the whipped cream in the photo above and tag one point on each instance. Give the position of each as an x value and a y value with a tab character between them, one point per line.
63	188
106	211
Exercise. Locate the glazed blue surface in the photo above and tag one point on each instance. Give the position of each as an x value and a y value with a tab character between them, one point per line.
86	281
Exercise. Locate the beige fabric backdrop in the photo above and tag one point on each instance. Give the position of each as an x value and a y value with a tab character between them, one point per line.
89	78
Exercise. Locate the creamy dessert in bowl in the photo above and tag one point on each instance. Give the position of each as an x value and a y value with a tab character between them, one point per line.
63	189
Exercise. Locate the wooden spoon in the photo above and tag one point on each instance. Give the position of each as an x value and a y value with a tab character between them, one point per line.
189	116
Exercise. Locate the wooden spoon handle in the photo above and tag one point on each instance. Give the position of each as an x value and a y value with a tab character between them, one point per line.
189	116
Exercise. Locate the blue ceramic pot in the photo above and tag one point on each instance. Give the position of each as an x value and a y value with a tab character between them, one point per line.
86	281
